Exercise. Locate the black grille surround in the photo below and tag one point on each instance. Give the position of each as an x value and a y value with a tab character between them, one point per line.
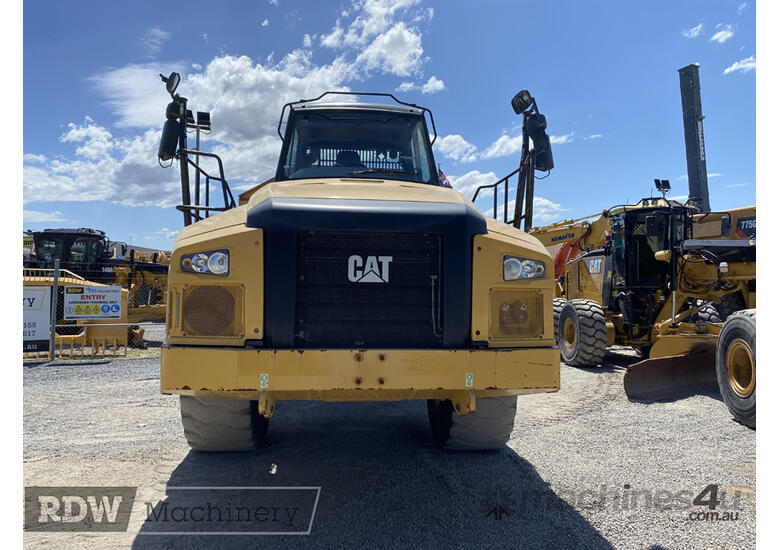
360	289
292	248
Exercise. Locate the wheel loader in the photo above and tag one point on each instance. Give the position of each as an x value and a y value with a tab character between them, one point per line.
351	275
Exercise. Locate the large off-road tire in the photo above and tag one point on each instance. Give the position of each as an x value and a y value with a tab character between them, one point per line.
583	333
729	304
736	365
558	304
486	429
708	313
218	424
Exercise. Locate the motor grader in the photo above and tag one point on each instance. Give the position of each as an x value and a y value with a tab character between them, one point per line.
674	281
352	275
640	278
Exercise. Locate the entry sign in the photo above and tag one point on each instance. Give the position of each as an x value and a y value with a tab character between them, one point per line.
93	302
37	311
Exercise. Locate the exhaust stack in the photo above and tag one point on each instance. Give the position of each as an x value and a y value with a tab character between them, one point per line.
690	92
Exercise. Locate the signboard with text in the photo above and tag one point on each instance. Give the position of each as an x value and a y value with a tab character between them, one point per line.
92	302
36	318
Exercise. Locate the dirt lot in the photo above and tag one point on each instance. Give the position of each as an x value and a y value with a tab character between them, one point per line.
585	468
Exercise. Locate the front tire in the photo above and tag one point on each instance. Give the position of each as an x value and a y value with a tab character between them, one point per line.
486	429
558	304
218	424
583	333
736	365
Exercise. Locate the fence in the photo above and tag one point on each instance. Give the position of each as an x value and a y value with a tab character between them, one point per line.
140	321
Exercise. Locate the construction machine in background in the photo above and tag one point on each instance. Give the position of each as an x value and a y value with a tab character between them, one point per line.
89	256
675	281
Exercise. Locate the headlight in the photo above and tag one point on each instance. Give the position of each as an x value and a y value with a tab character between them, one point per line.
216	262
522	268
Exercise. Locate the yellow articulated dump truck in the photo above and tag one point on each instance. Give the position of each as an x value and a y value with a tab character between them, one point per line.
353	275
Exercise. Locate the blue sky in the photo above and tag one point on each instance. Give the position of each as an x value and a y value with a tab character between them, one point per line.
604	73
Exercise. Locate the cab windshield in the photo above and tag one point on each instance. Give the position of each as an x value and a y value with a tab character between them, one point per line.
357	144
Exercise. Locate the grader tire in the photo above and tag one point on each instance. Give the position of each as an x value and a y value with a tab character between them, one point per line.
729	304
219	424
558	304
486	429
736	365
708	313
583	333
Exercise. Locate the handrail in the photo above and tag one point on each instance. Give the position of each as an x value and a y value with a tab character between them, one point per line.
494	186
376	94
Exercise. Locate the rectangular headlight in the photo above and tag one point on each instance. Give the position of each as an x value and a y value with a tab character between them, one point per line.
522	268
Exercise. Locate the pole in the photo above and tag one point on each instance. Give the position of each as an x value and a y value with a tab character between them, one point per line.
53	313
197	171
185	169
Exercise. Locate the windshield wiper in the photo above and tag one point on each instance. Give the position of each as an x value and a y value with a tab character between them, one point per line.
381	171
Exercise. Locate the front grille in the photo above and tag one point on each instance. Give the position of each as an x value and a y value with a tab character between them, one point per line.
360	289
213	311
516	315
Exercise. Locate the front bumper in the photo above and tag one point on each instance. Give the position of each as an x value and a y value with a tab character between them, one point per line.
357	375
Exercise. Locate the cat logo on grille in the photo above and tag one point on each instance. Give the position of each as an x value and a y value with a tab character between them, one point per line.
375	269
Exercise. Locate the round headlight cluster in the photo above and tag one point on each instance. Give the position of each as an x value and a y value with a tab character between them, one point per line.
218	263
215	263
522	268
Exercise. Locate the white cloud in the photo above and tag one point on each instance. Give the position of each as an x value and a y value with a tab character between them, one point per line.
714	175
136	94
738	185
307	38
205	37
468	183
104	168
152	40
503	146
722	35
273	2
432	86
264	23
30	157
122	166
545	211
96	140
33	216
506	145
397	51
742	7
594	136
693	32
333	38
565	138
743	65
456	148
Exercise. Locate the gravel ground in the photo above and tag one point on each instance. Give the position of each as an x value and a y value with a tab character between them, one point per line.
585	468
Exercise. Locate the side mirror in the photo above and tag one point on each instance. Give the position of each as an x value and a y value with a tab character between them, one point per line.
522	101
725	226
169	140
172	82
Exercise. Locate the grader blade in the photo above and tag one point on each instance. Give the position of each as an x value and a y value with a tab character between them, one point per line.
670	377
